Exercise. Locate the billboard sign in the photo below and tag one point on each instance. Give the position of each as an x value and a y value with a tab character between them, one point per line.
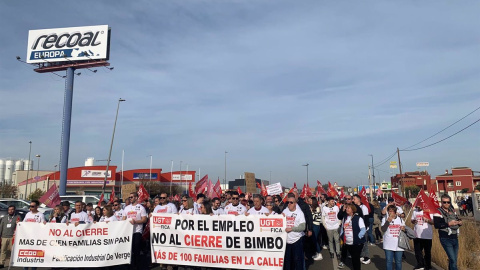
185	177
137	176
68	44
423	164
95	173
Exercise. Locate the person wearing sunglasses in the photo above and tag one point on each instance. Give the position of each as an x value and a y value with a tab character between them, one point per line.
296	223
187	206
164	206
258	208
235	208
78	217
118	211
448	225
137	215
216	209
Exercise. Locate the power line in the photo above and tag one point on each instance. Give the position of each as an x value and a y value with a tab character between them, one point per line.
443	138
385	160
441	130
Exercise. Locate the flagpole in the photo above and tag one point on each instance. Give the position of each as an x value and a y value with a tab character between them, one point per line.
121	183
171	178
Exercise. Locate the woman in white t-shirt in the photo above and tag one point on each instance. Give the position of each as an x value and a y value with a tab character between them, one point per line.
187	206
108	214
269	206
352	232
391	226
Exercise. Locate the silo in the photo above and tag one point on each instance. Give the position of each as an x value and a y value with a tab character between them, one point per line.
28	165
2	171
19	165
9	168
89	161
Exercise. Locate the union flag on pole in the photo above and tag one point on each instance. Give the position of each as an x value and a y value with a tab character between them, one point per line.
399	200
426	204
191	193
434	198
363	198
51	198
142	194
112	196
342	194
304	191
99	204
309	191
332	192
239	190
320	188
201	184
379	192
218	188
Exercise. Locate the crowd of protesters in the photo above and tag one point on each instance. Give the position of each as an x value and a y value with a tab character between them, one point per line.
345	227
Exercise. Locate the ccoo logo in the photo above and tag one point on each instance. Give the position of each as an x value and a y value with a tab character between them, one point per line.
31	253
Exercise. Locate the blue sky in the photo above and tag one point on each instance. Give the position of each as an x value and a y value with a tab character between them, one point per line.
277	84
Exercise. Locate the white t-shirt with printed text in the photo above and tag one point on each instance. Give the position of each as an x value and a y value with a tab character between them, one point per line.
168	208
422	229
239	209
329	214
80	217
294	219
348	229
262	211
135	212
390	237
37	217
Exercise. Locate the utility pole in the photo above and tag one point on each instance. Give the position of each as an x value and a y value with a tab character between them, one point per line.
373	175
401	174
225	179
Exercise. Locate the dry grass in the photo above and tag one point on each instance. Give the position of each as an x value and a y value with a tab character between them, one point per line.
469	247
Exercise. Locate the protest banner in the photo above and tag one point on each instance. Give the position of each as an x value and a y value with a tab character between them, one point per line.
274	189
86	245
225	241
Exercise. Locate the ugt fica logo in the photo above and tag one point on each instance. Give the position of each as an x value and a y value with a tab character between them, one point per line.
271	224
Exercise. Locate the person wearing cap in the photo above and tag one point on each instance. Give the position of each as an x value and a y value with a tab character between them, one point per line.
391	201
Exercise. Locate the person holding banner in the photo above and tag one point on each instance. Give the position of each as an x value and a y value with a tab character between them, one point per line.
117	207
294	256
8	224
164	205
235	208
78	217
137	216
200	199
258	208
108	214
423	242
216	209
187	205
34	216
58	215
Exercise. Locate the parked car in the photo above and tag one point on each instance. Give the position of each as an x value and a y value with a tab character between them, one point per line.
84	198
19	204
4	211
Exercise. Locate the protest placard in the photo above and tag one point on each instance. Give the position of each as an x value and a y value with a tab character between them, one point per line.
86	245
225	241
274	189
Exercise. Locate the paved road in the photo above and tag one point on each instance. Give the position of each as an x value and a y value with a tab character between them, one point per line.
377	257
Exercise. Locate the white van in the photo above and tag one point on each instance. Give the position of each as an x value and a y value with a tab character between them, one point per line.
83	198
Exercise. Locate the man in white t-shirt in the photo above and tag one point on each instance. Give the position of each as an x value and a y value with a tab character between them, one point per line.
331	224
235	208
137	215
423	242
164	206
216	209
118	211
294	256
365	255
78	217
34	215
258	208
199	201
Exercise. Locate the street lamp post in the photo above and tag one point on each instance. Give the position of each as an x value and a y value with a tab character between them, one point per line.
306	165
180	173
150	182
28	168
373	173
111	145
38	168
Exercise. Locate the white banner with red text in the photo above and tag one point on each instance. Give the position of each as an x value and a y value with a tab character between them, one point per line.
224	241
86	245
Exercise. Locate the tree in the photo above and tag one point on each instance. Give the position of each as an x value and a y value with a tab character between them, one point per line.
465	190
412	191
477	187
34	196
8	191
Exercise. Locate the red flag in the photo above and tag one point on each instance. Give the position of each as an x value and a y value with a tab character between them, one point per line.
379	192
142	194
51	198
100	201
295	187
239	190
309	191
363	198
284	200
434	198
191	193
304	192
425	204
320	188
342	194
210	193
177	197
399	200
264	190
201	184
332	191
218	188
112	195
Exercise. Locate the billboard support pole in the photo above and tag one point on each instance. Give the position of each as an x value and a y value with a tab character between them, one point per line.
67	121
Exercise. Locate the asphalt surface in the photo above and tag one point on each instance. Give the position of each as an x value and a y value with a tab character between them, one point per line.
377	262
